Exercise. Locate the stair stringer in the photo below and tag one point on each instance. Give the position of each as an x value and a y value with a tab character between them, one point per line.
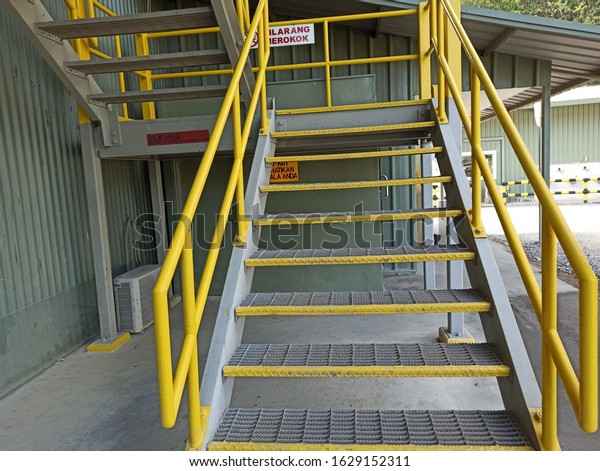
234	42
216	390
56	53
520	391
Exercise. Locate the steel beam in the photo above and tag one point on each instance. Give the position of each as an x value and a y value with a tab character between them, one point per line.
92	166
234	41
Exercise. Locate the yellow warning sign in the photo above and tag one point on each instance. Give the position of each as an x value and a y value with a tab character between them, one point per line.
284	172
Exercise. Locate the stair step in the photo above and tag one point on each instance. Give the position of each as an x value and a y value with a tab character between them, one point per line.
411	301
365	360
367	430
160	21
363	106
353	184
353	155
349	217
153	62
356	130
184	93
358	256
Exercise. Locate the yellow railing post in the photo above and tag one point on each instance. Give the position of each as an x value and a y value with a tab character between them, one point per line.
585	191
549	324
453	46
424	52
327	63
264	59
122	88
476	137
189	319
238	155
441	44
142	48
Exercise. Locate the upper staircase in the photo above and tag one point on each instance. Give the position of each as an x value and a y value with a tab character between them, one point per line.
332	285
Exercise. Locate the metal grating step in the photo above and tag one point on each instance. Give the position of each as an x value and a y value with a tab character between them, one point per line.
362	302
353	155
368	360
356	130
348	217
349	429
160	21
153	62
358	256
185	93
353	184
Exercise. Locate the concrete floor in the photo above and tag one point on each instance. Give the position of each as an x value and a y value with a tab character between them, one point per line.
94	401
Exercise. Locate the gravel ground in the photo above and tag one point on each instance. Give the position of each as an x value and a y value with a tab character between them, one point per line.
582	219
531	246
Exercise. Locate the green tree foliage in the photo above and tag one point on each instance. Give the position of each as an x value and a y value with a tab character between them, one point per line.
583	11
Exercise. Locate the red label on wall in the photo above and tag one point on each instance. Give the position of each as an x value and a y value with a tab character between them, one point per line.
177	137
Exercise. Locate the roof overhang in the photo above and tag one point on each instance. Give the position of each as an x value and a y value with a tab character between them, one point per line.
572	48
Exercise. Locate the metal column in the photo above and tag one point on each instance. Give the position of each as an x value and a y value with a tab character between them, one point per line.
427	202
545	151
158	208
110	339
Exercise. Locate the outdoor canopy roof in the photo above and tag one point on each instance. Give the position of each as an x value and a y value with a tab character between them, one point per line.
572	48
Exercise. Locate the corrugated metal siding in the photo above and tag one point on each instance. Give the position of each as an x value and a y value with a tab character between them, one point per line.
47	294
44	240
574	136
128	201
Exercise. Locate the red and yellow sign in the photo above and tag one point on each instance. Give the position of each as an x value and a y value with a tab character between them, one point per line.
283	172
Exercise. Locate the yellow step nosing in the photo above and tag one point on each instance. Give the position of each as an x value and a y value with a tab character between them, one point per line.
362	106
351	218
375	309
378	371
353	185
353	130
261	446
354	155
360	260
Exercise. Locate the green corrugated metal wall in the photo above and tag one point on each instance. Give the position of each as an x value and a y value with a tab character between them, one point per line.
47	293
574	135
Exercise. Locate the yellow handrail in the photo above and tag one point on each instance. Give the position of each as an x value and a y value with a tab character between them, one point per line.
582	392
171	386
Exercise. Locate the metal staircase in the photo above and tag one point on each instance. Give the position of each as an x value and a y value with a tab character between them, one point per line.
503	356
427	128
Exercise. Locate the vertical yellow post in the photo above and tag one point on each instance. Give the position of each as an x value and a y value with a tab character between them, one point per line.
441	42
119	53
82	48
585	191
239	7
424	58
454	48
263	57
549	323
142	48
327	62
242	229
189	322
476	140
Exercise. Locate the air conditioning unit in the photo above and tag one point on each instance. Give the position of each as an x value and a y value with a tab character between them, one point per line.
133	298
